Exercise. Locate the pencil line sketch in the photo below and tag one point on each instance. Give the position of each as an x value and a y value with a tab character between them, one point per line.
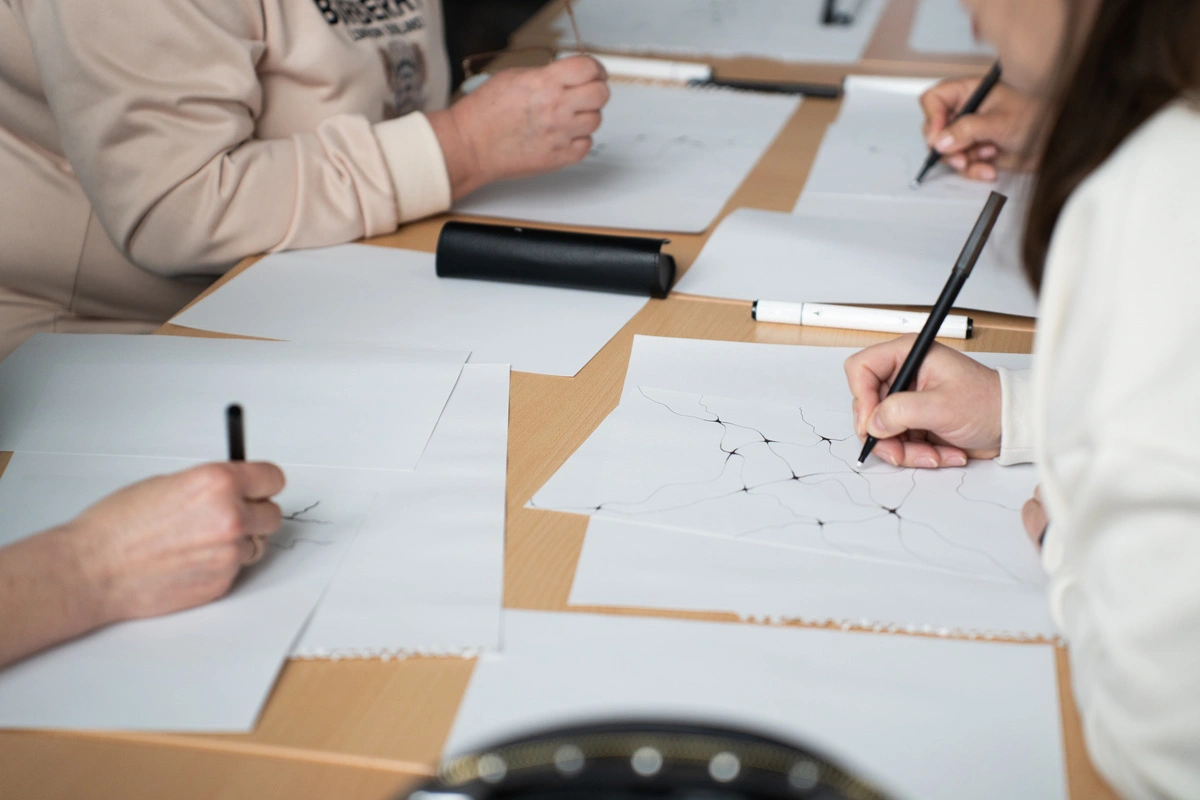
781	474
300	516
296	529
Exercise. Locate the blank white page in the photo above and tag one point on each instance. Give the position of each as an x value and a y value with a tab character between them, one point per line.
205	669
386	296
944	27
770	373
766	255
624	564
875	148
165	396
665	159
781	30
426	572
925	718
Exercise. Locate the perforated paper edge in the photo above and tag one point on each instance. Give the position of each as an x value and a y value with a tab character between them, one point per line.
386	653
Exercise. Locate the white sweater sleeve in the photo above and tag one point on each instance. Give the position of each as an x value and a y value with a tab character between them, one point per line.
156	106
1016	417
1123	465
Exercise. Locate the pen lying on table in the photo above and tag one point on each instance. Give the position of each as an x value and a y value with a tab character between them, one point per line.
825	315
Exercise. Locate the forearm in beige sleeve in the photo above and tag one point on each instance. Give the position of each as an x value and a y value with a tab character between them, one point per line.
160	133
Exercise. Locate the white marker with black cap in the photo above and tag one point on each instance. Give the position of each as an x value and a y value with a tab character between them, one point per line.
825	315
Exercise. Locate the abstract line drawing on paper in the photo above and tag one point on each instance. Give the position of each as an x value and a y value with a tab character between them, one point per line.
748	470
298	528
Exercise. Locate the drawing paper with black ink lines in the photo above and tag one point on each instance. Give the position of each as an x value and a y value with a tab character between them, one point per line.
752	471
965	566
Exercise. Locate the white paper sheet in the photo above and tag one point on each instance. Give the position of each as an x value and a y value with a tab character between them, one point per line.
205	669
925	718
943	27
664	159
647	465
771	373
640	566
378	295
765	255
323	405
782	30
426	573
751	471
875	148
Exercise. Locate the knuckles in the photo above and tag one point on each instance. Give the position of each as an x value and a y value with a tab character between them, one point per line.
213	482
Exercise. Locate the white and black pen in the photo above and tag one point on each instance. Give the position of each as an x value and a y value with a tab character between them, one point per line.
881	320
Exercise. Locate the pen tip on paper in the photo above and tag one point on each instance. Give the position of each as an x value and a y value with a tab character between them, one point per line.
915	184
858	464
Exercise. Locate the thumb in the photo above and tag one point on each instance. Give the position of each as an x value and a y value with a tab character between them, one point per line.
906	411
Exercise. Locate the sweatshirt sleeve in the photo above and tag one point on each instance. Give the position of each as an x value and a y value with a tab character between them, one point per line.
156	106
1016	417
1123	479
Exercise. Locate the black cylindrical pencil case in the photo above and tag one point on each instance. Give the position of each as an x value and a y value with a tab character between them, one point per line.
626	264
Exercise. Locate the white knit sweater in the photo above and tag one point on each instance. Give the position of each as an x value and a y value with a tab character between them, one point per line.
1111	415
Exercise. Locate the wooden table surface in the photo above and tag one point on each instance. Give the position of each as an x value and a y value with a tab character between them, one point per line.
365	729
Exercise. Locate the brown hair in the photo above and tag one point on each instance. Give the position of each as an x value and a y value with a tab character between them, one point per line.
1139	56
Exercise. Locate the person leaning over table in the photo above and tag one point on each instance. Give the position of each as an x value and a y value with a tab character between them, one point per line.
146	147
1109	413
165	544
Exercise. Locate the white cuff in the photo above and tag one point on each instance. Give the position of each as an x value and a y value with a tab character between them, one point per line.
414	158
1016	416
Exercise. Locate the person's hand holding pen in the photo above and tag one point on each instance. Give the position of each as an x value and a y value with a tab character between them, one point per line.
176	541
952	413
997	136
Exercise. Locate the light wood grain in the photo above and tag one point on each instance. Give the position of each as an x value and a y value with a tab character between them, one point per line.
66	767
364	728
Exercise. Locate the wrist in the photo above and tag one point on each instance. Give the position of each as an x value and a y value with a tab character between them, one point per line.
87	577
463	165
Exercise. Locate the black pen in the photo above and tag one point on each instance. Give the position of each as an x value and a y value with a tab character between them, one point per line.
829	91
237	437
958	277
972	105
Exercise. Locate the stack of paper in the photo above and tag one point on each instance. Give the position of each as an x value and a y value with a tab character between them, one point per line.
393	560
781	30
725	481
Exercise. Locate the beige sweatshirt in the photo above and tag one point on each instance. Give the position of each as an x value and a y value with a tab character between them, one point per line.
147	147
1111	415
